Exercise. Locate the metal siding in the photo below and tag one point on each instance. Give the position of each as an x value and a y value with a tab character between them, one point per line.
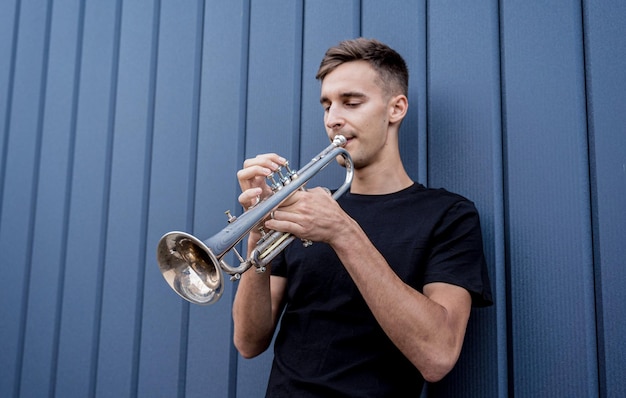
20	170
274	74
211	356
42	322
551	283
605	55
125	249
464	156
165	322
9	26
88	195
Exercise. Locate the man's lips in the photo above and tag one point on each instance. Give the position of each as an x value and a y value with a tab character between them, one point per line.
348	138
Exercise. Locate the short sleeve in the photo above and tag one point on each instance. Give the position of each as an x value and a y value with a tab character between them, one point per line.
457	254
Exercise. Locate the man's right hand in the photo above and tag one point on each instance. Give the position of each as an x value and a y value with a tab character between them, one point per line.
253	183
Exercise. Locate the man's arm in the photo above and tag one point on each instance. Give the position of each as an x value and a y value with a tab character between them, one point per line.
256	308
259	298
428	328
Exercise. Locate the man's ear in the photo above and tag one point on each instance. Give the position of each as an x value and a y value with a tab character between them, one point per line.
398	107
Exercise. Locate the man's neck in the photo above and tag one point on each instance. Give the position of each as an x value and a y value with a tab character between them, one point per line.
377	181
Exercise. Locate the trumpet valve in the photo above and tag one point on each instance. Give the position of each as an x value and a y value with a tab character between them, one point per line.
284	179
276	185
289	175
231	218
285	176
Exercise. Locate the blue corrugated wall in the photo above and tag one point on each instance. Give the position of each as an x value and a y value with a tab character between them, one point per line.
122	120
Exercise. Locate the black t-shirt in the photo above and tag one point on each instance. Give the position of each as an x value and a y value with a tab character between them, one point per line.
329	344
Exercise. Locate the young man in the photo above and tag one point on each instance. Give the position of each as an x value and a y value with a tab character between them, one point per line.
380	302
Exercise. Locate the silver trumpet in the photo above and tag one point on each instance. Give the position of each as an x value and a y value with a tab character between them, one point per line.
193	268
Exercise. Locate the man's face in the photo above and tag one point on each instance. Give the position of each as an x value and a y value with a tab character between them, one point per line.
356	106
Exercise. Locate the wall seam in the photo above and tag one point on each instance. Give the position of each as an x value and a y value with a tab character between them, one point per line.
503	354
149	144
68	201
32	216
242	134
95	346
9	107
425	152
509	352
298	77
593	215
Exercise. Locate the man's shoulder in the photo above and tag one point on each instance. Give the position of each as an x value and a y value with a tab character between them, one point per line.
443	196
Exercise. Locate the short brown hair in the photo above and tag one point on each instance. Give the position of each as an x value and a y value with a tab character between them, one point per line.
386	61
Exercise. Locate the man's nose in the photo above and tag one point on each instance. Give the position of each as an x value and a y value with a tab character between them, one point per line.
334	118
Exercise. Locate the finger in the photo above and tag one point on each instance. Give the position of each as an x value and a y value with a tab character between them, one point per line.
257	169
285	216
267	160
284	221
250	197
275	224
252	172
291	199
320	189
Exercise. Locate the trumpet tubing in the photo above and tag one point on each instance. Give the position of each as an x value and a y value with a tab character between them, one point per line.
193	268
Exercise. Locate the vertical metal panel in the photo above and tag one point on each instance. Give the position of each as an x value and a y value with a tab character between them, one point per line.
464	156
164	341
127	212
89	193
605	56
8	45
274	75
212	361
548	202
20	169
273	118
42	312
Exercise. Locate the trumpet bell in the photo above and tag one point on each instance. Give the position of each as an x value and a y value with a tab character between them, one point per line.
190	268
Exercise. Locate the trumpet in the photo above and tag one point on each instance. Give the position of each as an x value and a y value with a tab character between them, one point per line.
194	268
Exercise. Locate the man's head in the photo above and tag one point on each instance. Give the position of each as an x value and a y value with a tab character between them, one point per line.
362	94
390	66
